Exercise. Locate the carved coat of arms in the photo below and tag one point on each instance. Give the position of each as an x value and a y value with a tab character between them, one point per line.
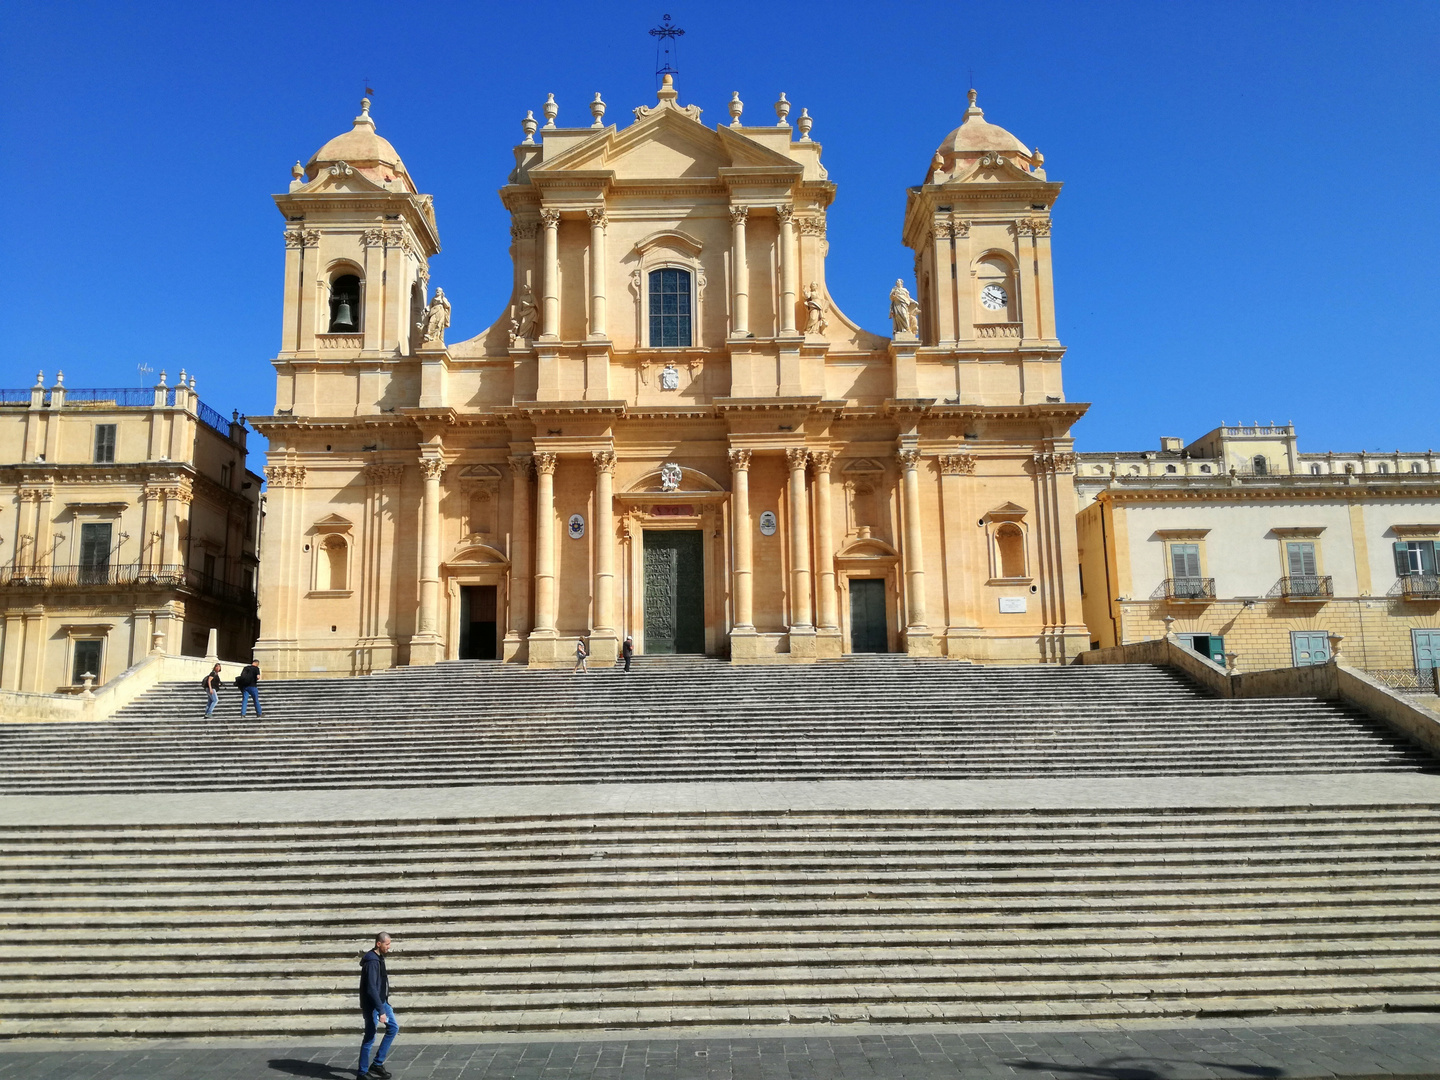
669	476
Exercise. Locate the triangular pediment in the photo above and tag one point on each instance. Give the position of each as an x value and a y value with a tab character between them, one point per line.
1006	511
667	144
332	523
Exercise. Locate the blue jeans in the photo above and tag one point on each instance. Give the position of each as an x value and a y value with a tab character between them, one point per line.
214	697
392	1028
246	693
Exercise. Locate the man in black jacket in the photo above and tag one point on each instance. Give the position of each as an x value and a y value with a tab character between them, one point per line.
375	1007
248	681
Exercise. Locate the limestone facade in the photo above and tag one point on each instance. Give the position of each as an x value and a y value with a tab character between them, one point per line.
1250	546
129	524
670	430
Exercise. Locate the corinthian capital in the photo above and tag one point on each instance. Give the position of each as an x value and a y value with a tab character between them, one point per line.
797	457
821	461
545	463
550	218
596	214
740	460
738	214
957	464
432	468
909	459
604	461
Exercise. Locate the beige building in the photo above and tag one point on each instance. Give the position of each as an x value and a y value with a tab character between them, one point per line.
1252	547
130	523
669	430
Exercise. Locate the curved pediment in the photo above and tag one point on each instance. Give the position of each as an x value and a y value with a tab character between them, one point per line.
674	239
472	553
691	480
867	548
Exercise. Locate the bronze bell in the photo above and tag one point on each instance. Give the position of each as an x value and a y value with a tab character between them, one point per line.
342	315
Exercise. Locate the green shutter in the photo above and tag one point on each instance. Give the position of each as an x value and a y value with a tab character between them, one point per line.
1402	559
1427	557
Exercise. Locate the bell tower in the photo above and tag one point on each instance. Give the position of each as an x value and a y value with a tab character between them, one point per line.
358	239
980	230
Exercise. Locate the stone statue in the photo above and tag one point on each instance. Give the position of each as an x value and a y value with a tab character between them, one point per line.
526	314
669	476
815	321
437	318
902	309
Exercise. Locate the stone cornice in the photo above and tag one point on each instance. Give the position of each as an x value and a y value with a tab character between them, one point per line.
1221	490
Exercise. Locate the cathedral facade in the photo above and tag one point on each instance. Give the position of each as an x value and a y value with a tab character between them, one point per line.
670	432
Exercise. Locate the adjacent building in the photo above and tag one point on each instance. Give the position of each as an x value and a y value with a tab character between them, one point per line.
130	523
1242	544
669	431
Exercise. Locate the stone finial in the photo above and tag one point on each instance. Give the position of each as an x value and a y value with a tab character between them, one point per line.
88	679
1037	158
192	384
973	110
162	377
40	379
1169	622
297	170
804	125
529	125
365	107
182	376
667	91
782	110
736	108
597	110
551	110
1335	640
59	378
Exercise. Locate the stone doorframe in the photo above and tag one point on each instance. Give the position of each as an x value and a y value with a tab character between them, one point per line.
705	511
866	557
474	564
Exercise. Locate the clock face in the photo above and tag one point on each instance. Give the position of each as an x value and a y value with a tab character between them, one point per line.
993	297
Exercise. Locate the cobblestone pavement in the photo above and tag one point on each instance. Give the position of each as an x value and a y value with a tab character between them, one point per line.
1324	789
1349	1049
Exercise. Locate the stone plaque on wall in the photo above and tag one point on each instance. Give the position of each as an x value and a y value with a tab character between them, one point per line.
1012	605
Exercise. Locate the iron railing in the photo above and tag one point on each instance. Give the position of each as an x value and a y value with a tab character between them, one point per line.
84	577
1306	587
212	418
125	397
1420	586
208	585
18	397
1408	680
1186	588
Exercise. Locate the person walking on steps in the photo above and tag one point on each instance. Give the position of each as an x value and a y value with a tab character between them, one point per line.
375	1007
249	683
211	683
582	653
628	650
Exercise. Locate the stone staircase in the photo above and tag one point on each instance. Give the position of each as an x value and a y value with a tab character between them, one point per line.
690	719
652	920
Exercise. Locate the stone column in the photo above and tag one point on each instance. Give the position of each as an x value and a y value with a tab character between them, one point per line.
800	618
941	283
520	467
550	275
820	461
956	520
740	526
605	636
311	301
545	545
787	270
427	646
913	550
740	308
597	271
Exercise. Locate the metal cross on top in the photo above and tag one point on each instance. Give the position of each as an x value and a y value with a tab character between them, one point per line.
667	50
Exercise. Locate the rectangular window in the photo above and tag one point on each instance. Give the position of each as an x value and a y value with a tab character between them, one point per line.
104	443
1414	557
209	565
1184	560
1300	558
87	661
225	476
94	552
670	309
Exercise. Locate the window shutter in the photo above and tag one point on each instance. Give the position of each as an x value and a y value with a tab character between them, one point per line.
1402	559
1427	557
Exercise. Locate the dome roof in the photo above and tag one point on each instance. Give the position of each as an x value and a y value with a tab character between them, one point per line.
362	149
975	135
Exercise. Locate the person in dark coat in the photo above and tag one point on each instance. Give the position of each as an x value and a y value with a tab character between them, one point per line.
375	1007
248	681
628	650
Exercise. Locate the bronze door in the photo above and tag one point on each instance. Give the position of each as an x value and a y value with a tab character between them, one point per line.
674	591
868	632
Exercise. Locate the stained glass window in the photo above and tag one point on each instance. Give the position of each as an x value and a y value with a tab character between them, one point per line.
669	308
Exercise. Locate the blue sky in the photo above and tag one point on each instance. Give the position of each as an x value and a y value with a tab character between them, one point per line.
1248	228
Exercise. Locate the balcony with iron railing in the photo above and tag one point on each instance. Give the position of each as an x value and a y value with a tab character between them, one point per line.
1418	587
1302	587
1193	590
116	575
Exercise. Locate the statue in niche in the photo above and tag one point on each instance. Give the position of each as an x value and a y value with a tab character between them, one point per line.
669	477
669	377
437	318
904	311
815	321
526	314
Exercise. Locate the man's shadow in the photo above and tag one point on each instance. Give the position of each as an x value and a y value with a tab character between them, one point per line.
1114	1069
318	1070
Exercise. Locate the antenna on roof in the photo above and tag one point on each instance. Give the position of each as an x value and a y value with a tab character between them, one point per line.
667	49
144	369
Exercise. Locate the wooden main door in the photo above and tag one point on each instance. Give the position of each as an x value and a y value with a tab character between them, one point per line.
868	632
674	591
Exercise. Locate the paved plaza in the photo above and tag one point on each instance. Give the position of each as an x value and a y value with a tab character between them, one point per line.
1407	1047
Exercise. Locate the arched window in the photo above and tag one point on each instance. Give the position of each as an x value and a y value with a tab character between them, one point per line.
1314	470
1170	469
1010	550
1382	468
670	308
1262	467
345	304
1204	468
1415	466
330	568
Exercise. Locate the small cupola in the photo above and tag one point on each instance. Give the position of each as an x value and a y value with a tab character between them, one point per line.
362	149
